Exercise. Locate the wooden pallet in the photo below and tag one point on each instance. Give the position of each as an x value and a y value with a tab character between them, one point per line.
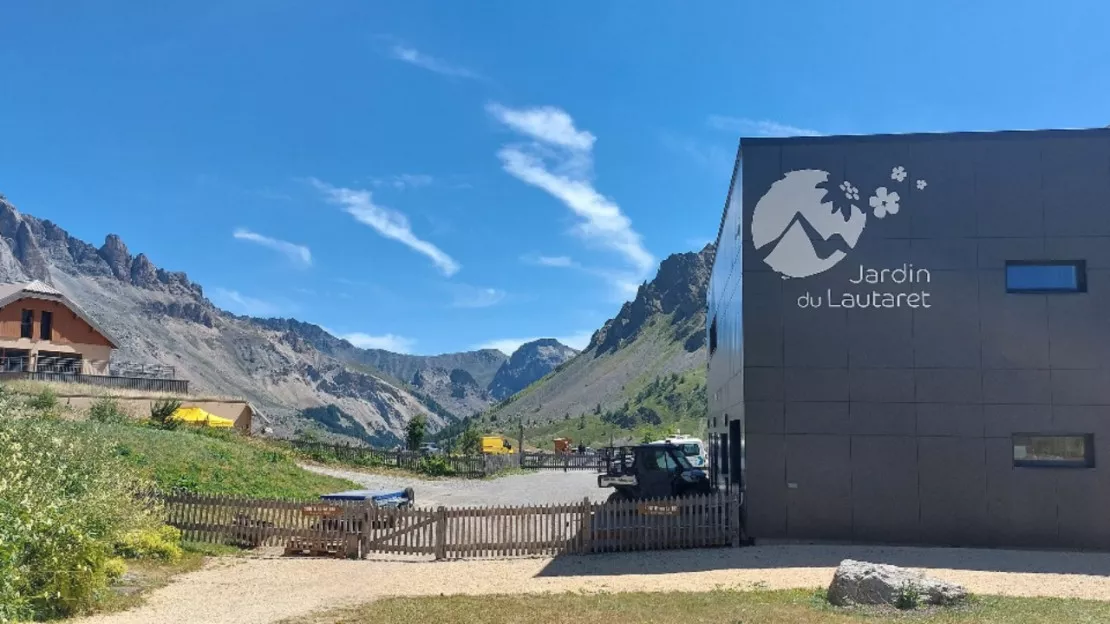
320	547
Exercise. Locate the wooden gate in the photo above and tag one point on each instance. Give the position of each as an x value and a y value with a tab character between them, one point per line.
401	531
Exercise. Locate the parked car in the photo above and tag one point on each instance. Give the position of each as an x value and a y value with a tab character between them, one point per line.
429	448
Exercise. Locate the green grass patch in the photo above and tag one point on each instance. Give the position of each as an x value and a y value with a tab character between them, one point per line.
714	607
209	462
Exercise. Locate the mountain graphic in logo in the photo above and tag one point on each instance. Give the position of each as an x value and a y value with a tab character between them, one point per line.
793	219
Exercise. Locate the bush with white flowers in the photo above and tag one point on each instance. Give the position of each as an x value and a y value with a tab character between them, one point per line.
66	502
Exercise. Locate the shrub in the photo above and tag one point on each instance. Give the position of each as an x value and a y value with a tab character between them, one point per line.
115	568
435	467
908	597
107	410
45	401
161	414
65	501
160	543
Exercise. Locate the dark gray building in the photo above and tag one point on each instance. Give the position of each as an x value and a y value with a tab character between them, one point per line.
910	338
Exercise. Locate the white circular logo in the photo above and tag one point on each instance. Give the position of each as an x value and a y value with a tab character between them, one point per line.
794	213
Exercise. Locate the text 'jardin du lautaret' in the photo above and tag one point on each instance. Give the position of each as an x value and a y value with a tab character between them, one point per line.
861	296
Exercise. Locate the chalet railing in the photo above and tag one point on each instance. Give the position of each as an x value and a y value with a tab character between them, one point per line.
133	369
168	386
64	369
72	365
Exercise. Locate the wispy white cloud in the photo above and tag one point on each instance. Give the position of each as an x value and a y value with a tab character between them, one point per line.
508	346
758	127
556	261
388	222
237	302
386	342
298	254
475	297
547	124
412	56
403	181
555	139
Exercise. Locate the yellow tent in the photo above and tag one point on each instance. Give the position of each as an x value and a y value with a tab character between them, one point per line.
197	416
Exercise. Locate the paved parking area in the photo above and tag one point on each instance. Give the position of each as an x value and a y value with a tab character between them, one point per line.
538	488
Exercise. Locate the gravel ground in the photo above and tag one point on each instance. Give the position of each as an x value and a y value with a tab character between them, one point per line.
539	488
261	590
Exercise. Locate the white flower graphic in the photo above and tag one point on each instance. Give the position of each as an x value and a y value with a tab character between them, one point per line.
921	184
850	192
898	173
884	202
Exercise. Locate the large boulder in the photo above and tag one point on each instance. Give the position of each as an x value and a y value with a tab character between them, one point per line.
862	583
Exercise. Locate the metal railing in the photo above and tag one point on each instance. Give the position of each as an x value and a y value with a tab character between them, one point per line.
72	370
134	369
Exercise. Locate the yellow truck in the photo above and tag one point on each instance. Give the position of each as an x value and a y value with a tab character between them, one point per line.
496	445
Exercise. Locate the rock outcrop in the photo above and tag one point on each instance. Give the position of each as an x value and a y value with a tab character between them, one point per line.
456	391
863	583
527	365
678	289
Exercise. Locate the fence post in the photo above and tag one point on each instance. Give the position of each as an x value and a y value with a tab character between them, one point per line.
586	537
734	519
441	533
364	533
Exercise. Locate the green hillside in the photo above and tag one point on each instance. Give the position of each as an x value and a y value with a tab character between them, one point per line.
668	404
642	375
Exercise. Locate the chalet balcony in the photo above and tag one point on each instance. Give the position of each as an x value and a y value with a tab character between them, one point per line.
72	368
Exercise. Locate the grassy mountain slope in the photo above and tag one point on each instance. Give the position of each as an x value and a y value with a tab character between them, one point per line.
643	372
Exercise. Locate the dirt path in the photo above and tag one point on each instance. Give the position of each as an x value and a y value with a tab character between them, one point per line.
267	590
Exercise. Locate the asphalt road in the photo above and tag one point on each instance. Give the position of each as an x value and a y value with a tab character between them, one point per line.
538	488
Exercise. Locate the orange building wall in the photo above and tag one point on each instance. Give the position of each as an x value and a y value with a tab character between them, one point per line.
68	328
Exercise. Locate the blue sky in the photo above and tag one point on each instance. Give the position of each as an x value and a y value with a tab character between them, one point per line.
431	177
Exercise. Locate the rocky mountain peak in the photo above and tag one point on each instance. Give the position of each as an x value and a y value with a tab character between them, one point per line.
115	253
679	289
38	246
456	390
530	362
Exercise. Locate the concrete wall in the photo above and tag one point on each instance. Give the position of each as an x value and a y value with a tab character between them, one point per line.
139	407
895	423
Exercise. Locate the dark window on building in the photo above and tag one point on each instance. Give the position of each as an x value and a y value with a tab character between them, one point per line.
27	324
724	453
46	325
1064	451
1047	276
713	336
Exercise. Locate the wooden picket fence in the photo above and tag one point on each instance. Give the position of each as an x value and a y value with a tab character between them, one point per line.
474	466
561	461
357	529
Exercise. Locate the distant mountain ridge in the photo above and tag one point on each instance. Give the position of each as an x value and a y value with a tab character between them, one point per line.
530	362
642	373
463	383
